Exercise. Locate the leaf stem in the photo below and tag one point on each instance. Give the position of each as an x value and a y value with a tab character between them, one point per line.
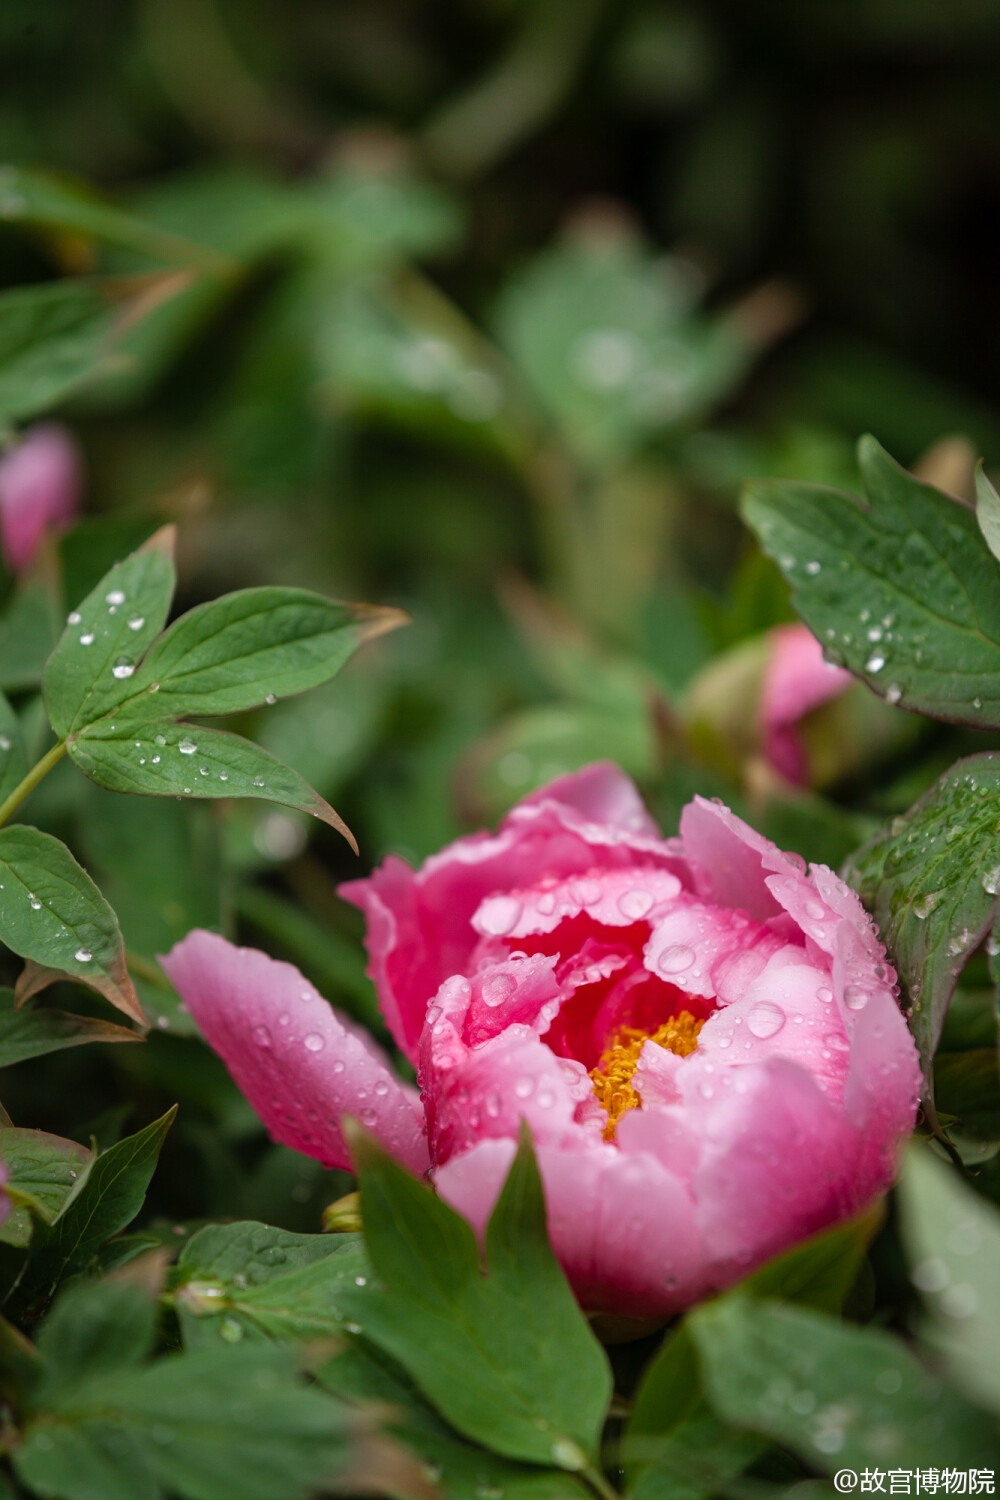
34	776
599	1484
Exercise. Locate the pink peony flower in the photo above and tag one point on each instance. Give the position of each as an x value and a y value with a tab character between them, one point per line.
704	1039
40	482
796	680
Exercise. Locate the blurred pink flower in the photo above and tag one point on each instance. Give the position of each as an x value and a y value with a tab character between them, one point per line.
40	484
704	1039
796	680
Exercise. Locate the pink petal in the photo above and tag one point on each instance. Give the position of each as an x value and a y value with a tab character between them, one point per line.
611	898
301	1065
778	1162
40	482
600	793
730	860
420	923
883	1089
486	1090
695	946
621	1224
796	681
403	966
788	1011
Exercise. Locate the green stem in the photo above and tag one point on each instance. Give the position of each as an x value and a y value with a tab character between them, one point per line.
599	1484
34	776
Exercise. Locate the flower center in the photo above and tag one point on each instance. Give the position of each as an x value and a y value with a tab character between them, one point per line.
613	1074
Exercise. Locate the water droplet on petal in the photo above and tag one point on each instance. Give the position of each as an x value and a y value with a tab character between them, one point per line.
765	1020
855	997
261	1036
635	904
499	915
497	988
313	1042
676	959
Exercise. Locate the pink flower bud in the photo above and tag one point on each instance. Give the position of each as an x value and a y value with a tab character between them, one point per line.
796	680
40	484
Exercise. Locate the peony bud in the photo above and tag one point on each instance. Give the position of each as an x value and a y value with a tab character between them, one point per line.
40	484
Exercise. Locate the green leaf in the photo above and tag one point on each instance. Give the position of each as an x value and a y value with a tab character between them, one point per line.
163	875
903	590
251	647
953	1239
835	1394
362	1374
508	1359
162	759
967	1087
214	1425
56	337
52	914
931	881
672	1437
613	378
44	200
364	218
251	1281
88	674
673	1441
43	1170
13	761
28	632
29	1032
988	511
103	1203
93	1330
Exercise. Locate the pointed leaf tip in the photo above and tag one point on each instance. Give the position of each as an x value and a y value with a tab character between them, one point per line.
988	510
163	541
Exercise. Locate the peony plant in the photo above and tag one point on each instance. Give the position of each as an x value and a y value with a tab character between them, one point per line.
703	1038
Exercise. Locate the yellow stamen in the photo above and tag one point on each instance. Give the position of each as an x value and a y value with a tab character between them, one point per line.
613	1074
